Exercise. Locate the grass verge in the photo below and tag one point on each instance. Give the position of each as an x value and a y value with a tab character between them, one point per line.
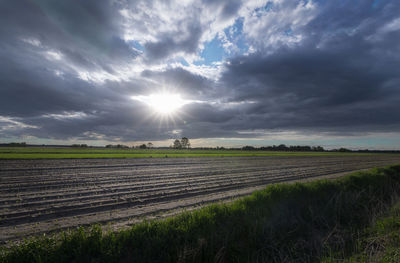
302	222
378	243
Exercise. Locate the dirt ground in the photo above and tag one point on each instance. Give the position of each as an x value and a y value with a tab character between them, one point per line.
42	196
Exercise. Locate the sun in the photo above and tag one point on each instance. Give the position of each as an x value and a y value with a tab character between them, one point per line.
163	103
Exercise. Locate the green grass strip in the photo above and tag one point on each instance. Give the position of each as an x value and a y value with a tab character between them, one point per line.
301	222
67	153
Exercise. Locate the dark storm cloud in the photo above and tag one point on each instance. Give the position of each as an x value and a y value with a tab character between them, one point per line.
208	113
170	43
179	80
30	87
87	34
35	87
344	75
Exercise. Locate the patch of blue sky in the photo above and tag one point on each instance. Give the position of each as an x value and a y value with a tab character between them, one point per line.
183	62
213	52
235	30
288	32
179	60
260	11
234	34
242	45
136	45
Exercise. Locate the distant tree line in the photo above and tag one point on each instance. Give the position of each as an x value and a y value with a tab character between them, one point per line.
14	144
118	146
216	148
184	143
149	145
79	145
298	148
283	147
341	150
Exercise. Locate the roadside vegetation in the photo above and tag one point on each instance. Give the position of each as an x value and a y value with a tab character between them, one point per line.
328	220
380	242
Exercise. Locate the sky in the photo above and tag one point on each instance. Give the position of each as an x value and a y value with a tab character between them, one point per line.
236	72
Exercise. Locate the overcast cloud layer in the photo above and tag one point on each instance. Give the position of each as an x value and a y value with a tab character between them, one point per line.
69	69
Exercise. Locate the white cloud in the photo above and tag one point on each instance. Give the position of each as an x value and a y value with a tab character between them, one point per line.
66	115
391	26
283	24
53	55
13	123
32	41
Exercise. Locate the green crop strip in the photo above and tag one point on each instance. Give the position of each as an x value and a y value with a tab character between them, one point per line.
61	153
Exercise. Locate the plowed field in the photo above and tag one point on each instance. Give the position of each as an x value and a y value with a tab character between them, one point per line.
40	196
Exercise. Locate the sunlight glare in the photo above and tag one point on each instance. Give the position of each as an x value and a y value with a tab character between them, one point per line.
163	103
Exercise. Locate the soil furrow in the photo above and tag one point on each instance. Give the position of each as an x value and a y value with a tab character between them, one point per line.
38	196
